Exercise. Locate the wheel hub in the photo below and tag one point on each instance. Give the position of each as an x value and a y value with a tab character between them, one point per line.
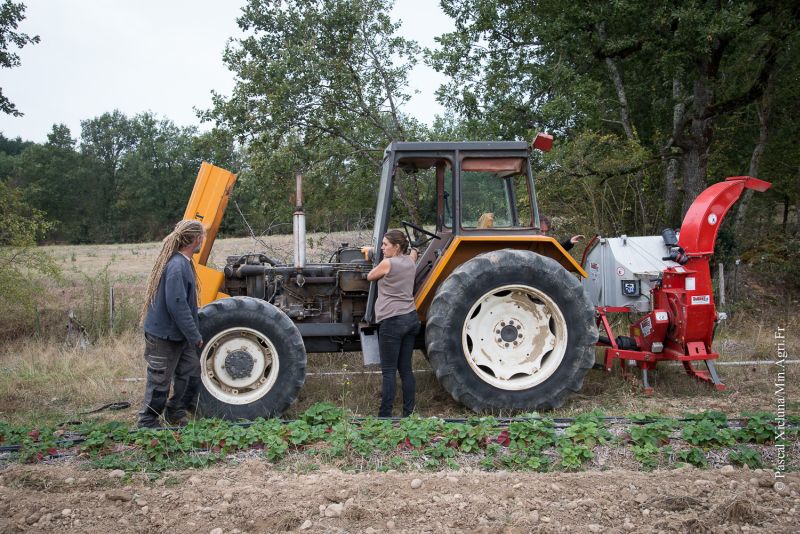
509	333
514	337
239	364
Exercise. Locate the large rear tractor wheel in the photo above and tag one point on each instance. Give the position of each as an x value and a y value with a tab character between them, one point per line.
511	330
253	362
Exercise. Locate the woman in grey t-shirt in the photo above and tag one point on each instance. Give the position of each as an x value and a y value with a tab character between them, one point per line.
397	318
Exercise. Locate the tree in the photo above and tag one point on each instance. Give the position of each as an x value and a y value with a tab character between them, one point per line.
56	180
20	261
659	75
321	84
155	178
105	140
11	14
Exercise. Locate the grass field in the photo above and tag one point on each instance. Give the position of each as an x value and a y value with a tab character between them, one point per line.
45	378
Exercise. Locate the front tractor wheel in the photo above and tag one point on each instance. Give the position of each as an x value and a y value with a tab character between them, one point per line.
253	361
511	330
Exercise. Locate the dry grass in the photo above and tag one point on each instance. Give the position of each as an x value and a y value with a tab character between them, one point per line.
42	380
46	381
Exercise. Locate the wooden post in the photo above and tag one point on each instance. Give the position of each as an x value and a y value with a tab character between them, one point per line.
721	285
111	309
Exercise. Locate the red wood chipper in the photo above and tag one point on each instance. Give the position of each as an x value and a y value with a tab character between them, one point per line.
666	278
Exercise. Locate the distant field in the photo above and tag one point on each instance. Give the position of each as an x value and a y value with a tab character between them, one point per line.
132	262
42	378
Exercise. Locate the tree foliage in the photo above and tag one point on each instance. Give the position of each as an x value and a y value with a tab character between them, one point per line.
649	102
11	14
128	179
20	261
659	76
320	87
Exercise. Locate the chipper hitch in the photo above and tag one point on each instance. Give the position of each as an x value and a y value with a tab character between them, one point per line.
668	279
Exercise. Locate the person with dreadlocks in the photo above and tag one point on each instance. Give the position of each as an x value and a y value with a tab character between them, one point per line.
172	329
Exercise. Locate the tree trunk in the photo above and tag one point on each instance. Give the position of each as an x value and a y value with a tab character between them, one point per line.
763	109
627	125
673	164
695	158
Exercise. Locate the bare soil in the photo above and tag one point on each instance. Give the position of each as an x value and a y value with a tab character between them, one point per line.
255	497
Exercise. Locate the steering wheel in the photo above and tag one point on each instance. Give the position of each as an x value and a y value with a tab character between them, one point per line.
431	235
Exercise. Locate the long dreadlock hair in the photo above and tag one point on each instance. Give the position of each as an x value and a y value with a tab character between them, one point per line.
183	234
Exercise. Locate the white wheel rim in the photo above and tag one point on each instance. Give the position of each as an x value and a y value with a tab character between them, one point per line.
514	337
239	365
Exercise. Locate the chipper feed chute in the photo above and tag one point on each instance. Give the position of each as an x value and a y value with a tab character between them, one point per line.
667	278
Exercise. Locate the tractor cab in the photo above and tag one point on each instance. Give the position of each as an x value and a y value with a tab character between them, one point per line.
472	196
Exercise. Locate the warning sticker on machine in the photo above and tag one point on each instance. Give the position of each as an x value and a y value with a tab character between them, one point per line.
647	326
701	299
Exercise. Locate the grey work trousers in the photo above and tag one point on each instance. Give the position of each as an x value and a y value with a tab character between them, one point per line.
174	363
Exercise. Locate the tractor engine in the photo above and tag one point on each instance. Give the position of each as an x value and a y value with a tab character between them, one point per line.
314	293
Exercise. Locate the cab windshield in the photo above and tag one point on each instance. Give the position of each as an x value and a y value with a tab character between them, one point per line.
495	193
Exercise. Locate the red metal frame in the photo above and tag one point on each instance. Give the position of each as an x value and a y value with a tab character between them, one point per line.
647	361
682	319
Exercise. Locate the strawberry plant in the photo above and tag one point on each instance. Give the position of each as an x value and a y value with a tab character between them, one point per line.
744	455
694	456
573	455
158	445
323	413
707	433
534	434
298	432
522	461
758	428
656	433
646	454
588	432
472	436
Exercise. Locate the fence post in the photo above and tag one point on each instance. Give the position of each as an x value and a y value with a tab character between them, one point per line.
721	285
111	309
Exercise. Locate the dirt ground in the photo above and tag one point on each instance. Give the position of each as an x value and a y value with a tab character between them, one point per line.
255	497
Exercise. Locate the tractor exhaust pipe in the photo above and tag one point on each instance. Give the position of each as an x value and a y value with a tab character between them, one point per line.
299	226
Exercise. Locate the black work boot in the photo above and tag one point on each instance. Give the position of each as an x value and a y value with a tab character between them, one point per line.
154	403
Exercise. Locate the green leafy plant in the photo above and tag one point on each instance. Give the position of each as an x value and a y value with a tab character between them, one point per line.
323	413
647	455
535	434
707	433
758	428
521	461
745	455
656	433
694	456
574	455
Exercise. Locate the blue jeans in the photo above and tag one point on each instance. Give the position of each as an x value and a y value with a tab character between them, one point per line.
396	342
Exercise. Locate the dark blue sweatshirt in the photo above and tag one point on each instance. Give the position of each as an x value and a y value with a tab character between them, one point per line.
173	313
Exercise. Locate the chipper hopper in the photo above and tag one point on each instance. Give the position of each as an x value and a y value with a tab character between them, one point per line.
666	278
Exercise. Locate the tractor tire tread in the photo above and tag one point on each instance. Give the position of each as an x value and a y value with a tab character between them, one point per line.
481	271
291	373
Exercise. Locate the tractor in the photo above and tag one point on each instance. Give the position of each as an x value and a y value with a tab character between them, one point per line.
510	319
507	324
